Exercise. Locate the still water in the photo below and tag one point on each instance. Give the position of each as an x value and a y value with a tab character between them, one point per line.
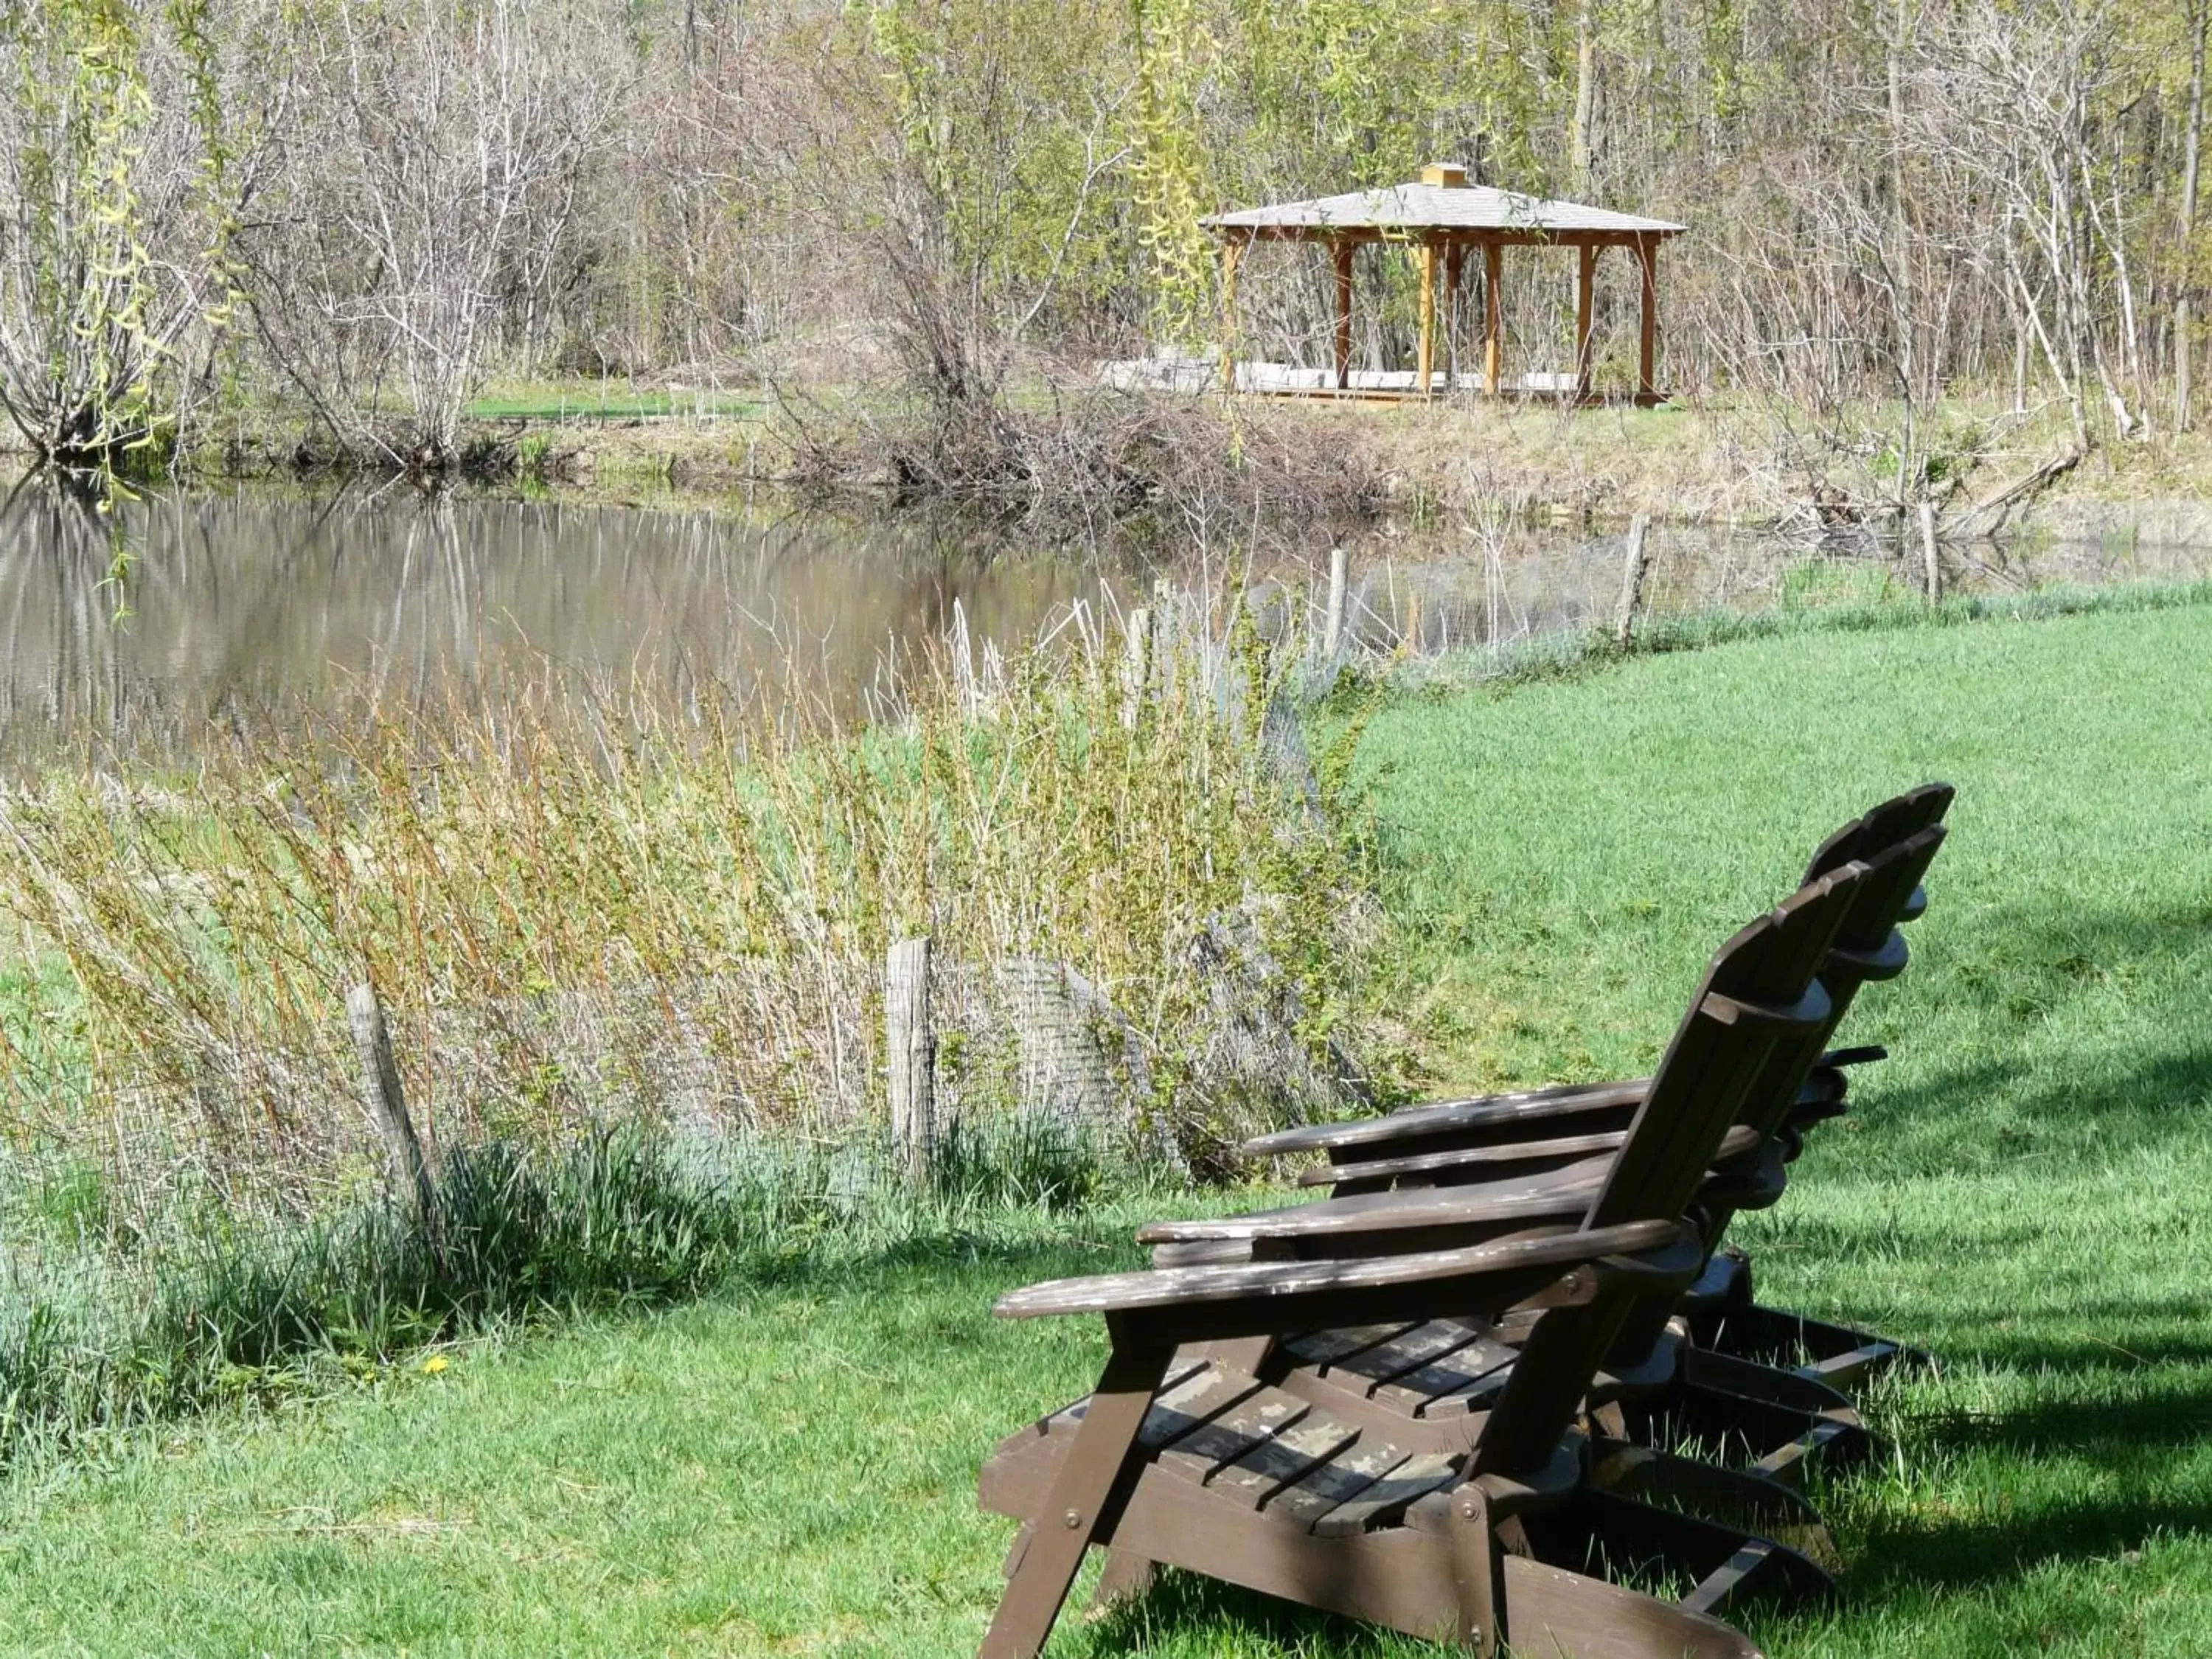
133	632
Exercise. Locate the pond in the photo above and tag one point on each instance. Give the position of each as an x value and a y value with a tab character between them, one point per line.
131	632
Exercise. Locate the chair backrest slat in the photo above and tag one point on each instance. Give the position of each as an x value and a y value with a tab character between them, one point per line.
1896	819
1759	989
1867	946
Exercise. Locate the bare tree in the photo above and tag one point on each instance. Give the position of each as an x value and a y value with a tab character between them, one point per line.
452	145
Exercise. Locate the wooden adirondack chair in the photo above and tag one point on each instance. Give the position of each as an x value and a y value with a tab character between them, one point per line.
1773	1420
1181	1456
1486	1138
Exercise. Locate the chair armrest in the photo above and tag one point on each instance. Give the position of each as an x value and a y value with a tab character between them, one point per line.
1371	1221
1503	1122
1270	1298
1547	1114
1472	1163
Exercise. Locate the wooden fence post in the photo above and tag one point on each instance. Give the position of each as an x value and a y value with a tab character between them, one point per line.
1137	668
910	1054
405	1168
1632	572
1927	552
1332	618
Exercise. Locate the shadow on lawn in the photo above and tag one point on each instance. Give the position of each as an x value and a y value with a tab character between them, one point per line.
1214	1615
1985	1114
2004	1535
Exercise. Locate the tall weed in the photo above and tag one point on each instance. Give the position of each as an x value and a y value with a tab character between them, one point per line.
584	907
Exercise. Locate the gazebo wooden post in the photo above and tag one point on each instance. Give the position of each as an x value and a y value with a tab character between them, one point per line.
1455	269
1343	248
1585	300
1647	257
1428	317
1232	251
1493	317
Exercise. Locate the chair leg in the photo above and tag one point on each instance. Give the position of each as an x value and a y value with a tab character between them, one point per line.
1084	1504
1773	1420
1127	1575
1728	1564
1478	1572
1700	1488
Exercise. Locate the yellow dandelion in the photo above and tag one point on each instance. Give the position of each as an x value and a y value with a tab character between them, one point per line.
435	1364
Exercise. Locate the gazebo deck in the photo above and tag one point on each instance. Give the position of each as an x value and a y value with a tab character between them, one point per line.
1265	379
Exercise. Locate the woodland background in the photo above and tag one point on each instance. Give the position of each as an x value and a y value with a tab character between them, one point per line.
363	209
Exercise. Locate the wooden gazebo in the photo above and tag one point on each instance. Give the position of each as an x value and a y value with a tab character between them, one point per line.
1440	217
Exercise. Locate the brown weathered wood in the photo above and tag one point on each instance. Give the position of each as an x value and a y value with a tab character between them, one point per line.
910	1057
1543	1110
1635	566
1082	1503
1933	566
1332	622
1723	1558
1585	314
1647	351
1232	251
1422	381
1126	1577
1343	248
1136	667
1671	1481
1258	1295
1509	1119
1797	1429
1369	1221
1484	1622
1493	315
1759	1012
406	1173
1550	1165
1454	275
1373	1533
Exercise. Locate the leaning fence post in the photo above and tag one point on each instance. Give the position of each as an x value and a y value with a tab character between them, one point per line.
381	1093
1927	552
1137	668
910	1053
1332	618
1632	571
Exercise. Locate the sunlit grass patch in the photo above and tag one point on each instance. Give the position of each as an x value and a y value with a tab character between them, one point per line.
789	1466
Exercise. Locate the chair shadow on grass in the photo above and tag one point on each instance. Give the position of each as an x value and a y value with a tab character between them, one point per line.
1948	1554
1214	1614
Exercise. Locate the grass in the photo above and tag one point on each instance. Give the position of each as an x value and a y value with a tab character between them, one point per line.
789	1467
625	947
591	401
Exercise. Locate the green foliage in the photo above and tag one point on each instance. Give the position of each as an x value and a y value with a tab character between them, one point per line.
99	282
1000	118
1168	177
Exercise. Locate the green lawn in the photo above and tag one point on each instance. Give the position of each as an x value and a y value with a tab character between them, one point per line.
789	1468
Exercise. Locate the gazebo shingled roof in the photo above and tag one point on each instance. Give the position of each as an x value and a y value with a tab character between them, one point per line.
1440	207
1441	214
